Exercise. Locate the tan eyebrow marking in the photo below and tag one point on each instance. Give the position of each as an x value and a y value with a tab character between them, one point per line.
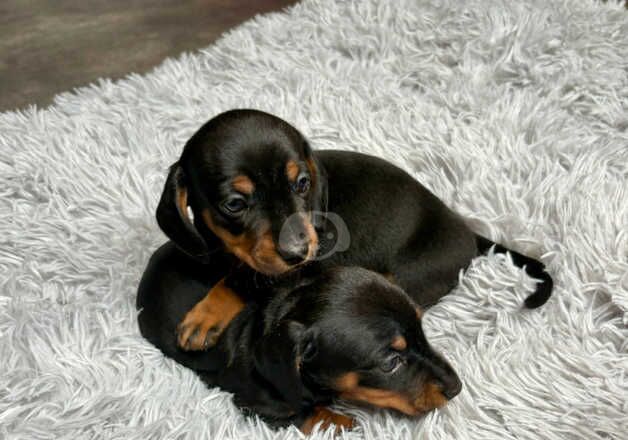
243	184
399	343
292	170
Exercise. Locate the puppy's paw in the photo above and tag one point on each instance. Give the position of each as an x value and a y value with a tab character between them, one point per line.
326	418
203	325
199	330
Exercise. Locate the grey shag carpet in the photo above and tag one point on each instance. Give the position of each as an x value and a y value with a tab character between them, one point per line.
514	112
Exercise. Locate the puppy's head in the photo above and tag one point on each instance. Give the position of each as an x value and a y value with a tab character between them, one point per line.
248	181
361	339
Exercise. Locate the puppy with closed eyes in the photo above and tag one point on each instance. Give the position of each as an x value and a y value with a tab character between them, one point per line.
314	336
248	184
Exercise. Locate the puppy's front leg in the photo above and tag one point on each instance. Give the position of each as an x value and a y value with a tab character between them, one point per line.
203	325
326	418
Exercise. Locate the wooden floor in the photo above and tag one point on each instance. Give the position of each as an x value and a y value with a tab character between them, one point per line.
50	46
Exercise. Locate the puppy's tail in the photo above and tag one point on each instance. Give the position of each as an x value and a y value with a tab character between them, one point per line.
533	268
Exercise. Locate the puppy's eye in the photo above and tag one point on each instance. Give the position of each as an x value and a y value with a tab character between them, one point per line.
391	364
234	205
302	185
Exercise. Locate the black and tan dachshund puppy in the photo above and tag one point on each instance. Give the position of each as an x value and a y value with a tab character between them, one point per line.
340	333
248	183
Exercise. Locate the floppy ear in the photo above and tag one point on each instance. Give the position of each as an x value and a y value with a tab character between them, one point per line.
173	217
279	356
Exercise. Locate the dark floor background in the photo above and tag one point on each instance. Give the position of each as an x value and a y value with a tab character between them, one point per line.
50	46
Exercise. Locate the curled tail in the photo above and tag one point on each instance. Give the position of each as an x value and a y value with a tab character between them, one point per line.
533	268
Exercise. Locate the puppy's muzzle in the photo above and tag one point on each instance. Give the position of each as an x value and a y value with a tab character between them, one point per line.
298	240
295	252
450	385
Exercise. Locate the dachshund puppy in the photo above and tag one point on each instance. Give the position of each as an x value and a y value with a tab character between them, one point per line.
247	183
314	336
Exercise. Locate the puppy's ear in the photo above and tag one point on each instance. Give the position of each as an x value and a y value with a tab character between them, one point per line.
173	217
280	355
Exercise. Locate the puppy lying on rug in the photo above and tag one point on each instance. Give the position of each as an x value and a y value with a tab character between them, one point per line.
248	192
248	184
342	332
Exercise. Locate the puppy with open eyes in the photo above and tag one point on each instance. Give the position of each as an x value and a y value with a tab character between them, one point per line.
248	185
339	332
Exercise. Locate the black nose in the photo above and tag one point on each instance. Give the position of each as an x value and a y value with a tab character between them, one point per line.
451	386
295	252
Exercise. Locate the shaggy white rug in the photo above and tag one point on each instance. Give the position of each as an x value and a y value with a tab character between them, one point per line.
513	112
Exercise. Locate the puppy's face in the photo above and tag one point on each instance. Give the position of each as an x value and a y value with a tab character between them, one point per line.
251	181
369	347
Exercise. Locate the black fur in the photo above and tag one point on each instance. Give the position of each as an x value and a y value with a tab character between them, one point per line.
333	318
533	267
396	225
281	355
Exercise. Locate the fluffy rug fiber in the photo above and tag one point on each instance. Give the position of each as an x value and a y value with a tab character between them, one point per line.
514	112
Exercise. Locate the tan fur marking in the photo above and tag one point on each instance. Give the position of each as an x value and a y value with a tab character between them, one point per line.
328	418
381	399
399	343
312	237
182	203
256	249
347	381
292	170
213	313
419	312
311	167
243	184
430	398
349	388
265	256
